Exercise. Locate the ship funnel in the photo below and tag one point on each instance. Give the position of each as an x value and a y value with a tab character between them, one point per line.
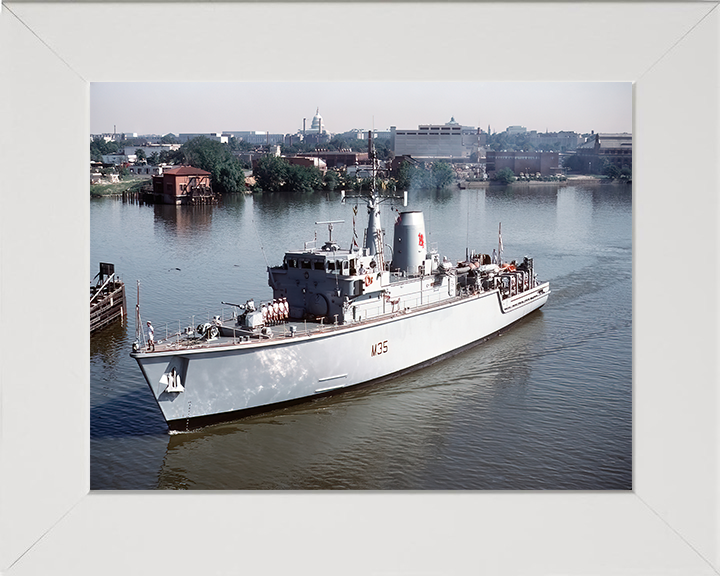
409	242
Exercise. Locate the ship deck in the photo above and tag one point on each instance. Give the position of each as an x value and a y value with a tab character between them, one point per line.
232	335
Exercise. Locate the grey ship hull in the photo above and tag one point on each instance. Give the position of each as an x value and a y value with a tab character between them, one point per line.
229	379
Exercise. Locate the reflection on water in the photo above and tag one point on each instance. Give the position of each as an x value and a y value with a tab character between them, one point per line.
546	405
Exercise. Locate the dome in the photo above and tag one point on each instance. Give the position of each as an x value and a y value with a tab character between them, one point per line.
317	122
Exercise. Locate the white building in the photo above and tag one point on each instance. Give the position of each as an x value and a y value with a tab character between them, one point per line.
219	136
152	148
317	126
257	137
118	159
447	141
146	170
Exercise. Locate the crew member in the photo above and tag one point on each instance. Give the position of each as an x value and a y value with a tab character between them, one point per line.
151	337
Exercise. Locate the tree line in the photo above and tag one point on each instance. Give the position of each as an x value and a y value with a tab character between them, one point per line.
275	174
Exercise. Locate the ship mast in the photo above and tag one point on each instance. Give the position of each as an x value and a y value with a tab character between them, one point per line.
374	233
373	239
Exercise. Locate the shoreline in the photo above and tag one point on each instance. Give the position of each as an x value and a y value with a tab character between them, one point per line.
118	188
463	185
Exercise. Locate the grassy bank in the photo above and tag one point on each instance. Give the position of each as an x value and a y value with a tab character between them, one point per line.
117	188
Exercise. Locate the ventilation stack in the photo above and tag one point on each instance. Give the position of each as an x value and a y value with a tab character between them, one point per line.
409	243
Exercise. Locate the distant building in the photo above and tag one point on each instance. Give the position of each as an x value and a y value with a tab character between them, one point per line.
546	163
218	136
316	133
114	137
338	159
118	159
365	170
179	185
262	138
151	148
145	170
516	130
613	148
361	134
317	126
449	141
307	161
249	158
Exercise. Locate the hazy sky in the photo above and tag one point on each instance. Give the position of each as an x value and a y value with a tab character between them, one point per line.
279	107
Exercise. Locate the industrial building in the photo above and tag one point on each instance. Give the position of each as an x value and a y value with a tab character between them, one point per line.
544	163
615	148
449	141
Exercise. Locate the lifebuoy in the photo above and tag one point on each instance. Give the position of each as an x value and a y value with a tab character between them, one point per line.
368	280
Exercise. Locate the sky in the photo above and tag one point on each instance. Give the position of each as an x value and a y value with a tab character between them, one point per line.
280	107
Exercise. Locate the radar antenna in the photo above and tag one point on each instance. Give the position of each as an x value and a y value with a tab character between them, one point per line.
330	226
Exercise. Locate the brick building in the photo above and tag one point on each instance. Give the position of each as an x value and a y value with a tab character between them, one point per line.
338	159
182	185
546	163
599	148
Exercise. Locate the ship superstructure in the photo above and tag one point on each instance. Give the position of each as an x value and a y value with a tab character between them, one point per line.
338	318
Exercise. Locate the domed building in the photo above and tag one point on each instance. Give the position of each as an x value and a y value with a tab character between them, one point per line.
317	125
316	133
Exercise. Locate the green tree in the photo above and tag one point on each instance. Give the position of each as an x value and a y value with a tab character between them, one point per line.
303	179
610	170
216	158
99	147
404	175
140	155
271	173
236	144
442	174
332	180
505	175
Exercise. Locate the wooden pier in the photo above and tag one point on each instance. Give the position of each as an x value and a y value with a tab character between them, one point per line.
107	298
193	197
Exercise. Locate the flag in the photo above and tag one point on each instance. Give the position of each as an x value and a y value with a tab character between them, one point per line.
500	244
355	235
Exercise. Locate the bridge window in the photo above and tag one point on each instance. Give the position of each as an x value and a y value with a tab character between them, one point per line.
305	264
319	265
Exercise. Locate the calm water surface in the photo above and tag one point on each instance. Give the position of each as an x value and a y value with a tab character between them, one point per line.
547	405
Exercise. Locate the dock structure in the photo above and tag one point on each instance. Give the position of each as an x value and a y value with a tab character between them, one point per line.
183	185
107	298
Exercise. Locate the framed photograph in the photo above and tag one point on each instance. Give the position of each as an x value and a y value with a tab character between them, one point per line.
51	520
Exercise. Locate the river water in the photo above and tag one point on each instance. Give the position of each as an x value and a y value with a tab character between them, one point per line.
545	406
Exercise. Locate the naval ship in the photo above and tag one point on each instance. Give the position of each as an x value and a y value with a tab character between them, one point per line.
339	318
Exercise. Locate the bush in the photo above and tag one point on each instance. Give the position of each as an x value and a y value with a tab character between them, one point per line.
505	176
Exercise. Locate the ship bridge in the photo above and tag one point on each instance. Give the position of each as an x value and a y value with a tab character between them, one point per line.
321	282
